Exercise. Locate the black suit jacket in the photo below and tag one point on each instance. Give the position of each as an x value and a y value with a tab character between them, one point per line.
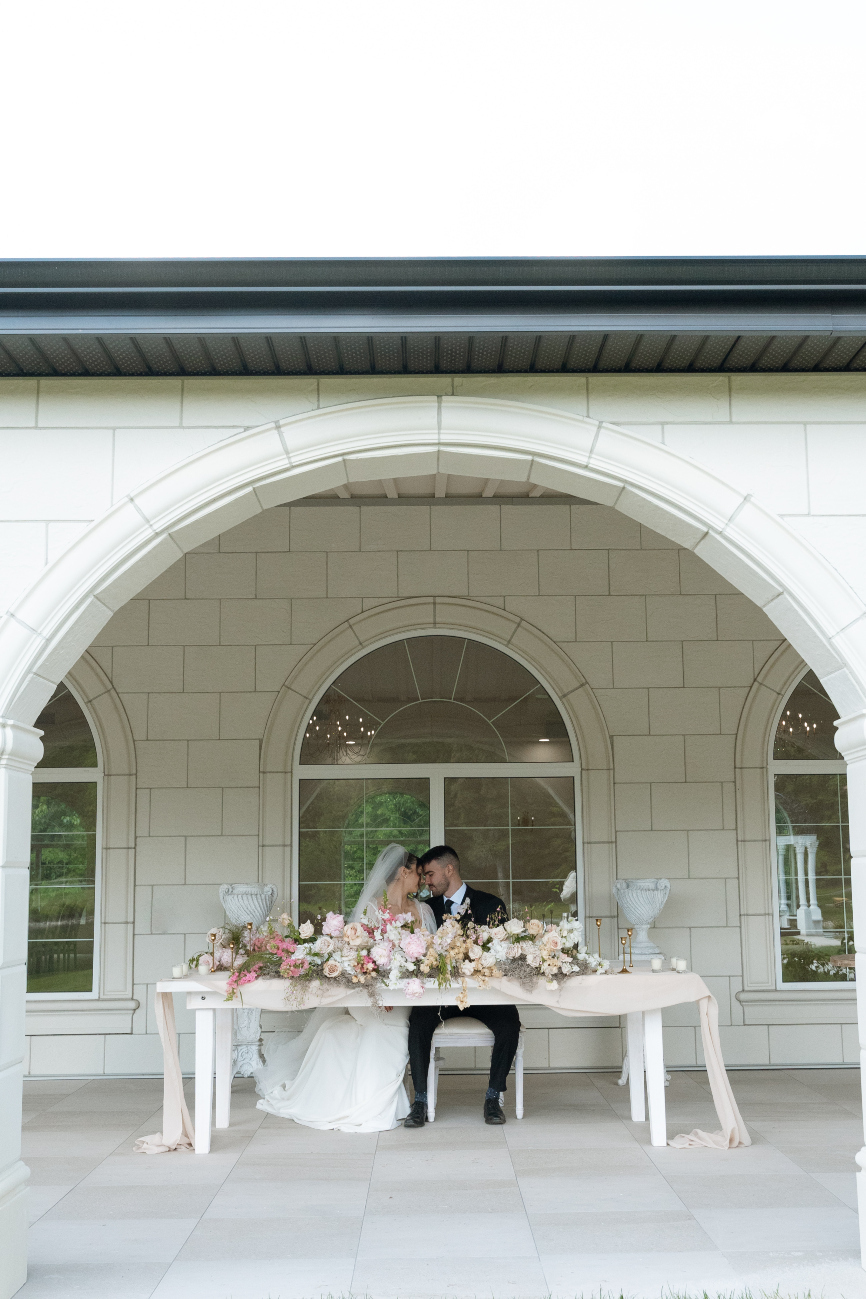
482	907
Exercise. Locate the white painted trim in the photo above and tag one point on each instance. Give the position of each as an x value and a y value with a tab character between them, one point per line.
60	1014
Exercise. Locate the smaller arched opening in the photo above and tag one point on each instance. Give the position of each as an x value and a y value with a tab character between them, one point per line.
65	853
810	842
429	739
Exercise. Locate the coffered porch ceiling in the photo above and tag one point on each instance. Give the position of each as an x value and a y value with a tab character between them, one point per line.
433	316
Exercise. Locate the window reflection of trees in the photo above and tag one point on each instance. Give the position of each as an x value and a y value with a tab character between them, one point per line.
813	860
63	854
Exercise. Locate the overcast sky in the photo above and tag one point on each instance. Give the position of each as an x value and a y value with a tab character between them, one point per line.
273	128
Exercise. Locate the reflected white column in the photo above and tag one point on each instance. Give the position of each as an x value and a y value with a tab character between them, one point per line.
20	750
784	910
800	854
812	867
851	743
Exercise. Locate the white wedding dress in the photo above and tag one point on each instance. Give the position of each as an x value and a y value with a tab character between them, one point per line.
345	1070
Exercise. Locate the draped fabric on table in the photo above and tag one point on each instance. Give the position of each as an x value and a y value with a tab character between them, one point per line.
177	1130
601	995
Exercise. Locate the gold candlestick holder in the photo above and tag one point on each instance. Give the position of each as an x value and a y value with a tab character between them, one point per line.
598	929
250	935
630	961
625	969
212	937
232	956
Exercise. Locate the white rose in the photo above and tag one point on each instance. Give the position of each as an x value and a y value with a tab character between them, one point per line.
307	929
534	927
355	935
475	951
331	969
514	926
324	945
487	960
285	918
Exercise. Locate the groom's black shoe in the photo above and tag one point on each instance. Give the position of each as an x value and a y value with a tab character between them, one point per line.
417	1116
493	1112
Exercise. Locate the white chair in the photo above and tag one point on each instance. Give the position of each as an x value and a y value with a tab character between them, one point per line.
467	1032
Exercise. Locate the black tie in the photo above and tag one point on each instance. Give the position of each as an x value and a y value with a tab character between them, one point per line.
449	906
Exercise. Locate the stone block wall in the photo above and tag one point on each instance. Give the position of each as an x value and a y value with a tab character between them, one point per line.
668	647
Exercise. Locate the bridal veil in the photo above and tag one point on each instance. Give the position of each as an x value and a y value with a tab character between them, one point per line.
284	1055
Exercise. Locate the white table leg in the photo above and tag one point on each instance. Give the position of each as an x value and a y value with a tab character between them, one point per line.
634	1023
204	1061
655	1076
224	1025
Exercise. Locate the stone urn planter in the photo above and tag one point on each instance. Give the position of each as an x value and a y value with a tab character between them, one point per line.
641	901
243	903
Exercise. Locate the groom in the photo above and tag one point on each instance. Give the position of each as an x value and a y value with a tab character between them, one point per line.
441	868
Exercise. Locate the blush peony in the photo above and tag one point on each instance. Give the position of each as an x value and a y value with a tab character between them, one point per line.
414	946
414	989
333	924
355	934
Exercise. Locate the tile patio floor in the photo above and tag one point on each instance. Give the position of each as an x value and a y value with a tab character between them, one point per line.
569	1200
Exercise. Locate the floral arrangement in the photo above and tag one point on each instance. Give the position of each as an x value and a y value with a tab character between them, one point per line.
387	950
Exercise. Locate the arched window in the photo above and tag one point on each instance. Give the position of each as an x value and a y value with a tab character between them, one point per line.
810	840
436	739
64	852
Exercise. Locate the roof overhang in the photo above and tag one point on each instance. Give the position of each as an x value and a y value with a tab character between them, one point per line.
428	316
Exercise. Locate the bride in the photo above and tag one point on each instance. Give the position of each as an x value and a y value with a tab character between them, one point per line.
346	1068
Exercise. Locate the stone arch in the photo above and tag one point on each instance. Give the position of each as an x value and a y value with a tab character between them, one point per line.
800	591
483	622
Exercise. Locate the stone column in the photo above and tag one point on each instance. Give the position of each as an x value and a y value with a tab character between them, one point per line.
20	750
851	743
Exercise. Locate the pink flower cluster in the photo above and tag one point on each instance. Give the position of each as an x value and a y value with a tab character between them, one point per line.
237	980
295	966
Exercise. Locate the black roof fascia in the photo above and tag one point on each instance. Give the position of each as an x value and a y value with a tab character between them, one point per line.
420	293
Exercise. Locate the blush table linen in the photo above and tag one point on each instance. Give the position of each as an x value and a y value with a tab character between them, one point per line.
639	996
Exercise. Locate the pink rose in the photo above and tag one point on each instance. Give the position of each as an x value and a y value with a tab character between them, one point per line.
414	989
333	924
414	946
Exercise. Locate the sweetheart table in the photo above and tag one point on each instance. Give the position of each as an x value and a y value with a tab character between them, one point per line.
639	996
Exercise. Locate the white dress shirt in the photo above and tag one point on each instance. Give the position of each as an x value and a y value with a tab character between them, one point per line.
456	900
